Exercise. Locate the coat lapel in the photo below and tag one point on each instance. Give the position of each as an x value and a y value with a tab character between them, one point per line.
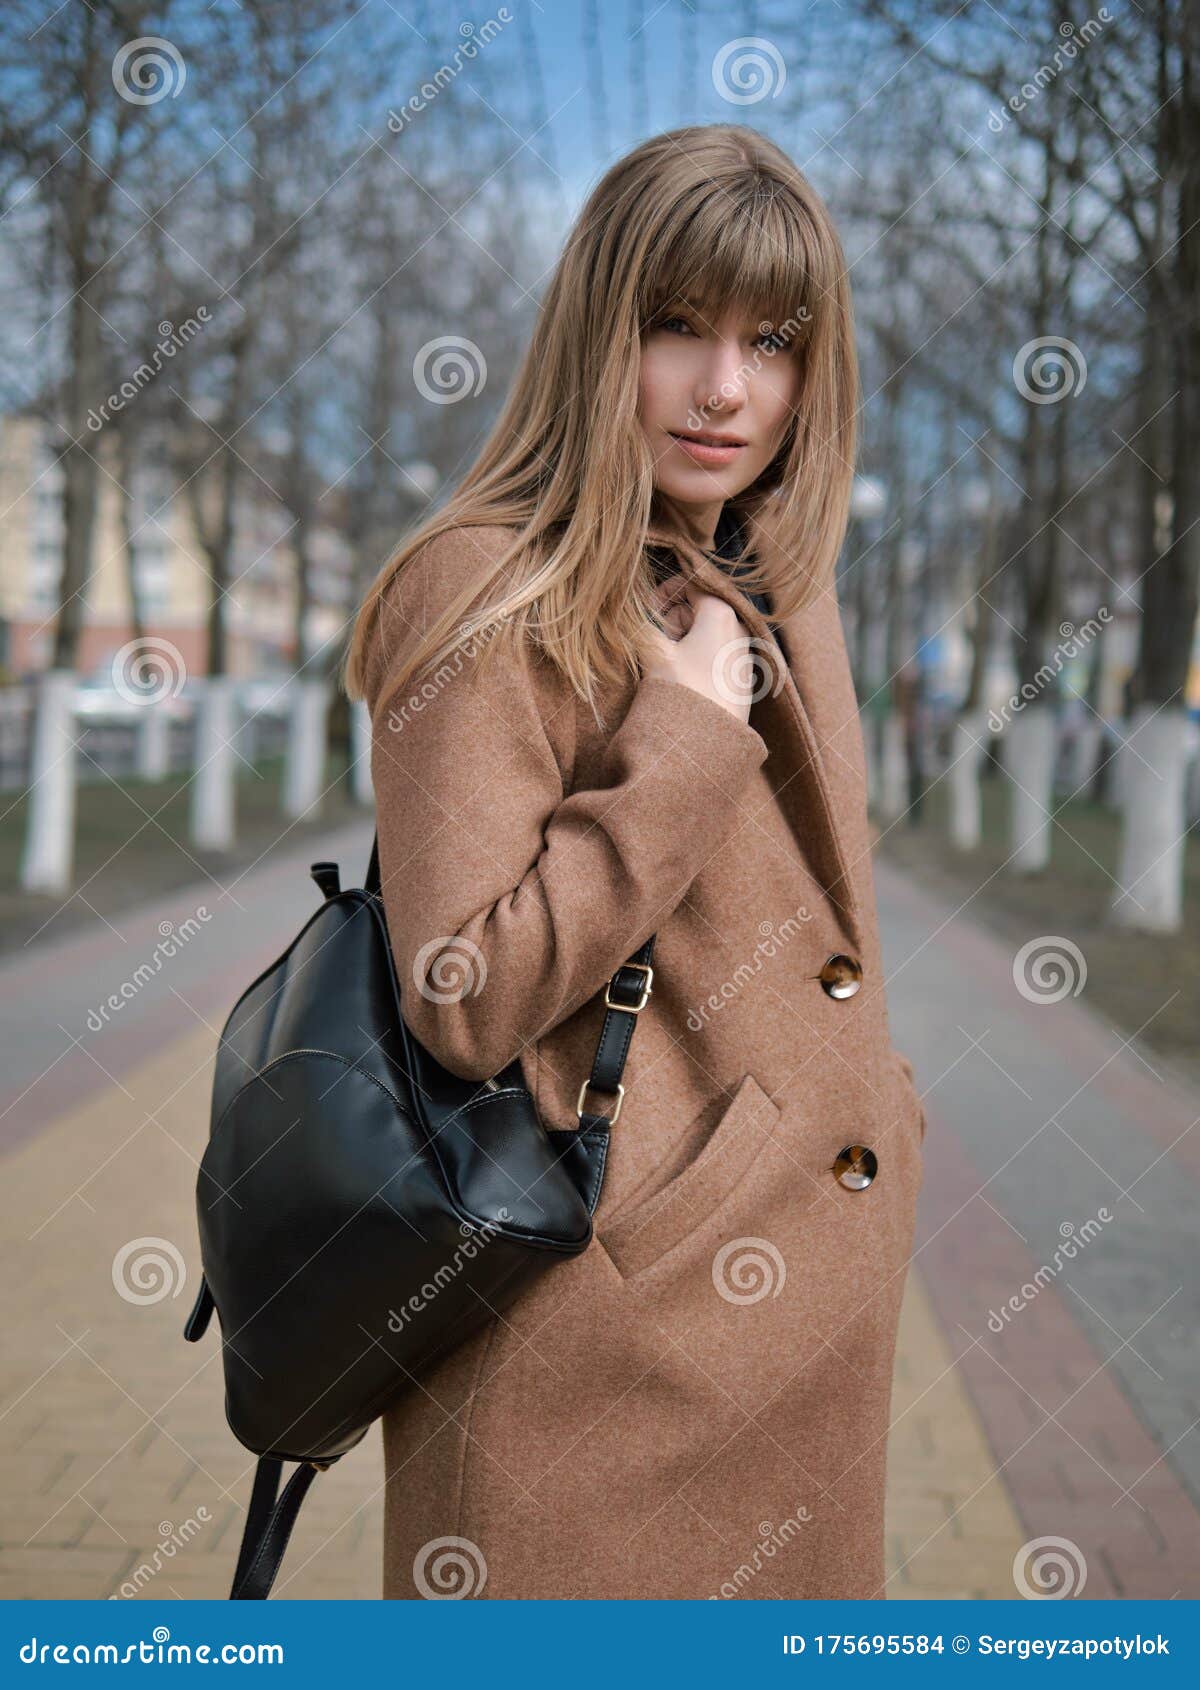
794	761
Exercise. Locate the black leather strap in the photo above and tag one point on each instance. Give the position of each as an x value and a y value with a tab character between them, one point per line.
327	878
268	1526
202	1312
270	1517
626	990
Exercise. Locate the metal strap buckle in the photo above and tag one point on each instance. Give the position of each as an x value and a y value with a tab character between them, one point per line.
620	1095
631	1008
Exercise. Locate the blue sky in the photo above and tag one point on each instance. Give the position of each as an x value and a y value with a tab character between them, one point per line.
655	61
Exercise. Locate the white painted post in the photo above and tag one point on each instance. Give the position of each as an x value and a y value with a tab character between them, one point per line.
360	752
212	786
1032	740
49	854
304	766
154	741
1153	782
968	748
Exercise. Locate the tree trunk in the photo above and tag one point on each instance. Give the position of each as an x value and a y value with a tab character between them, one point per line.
969	743
1031	740
304	771
48	858
968	748
212	786
1153	782
1155	806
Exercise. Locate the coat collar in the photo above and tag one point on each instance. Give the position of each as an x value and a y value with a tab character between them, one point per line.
794	756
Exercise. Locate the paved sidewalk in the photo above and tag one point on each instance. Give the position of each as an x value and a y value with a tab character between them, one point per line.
1057	1245
113	1441
114	1453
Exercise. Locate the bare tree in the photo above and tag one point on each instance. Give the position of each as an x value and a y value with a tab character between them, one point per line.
1112	110
79	116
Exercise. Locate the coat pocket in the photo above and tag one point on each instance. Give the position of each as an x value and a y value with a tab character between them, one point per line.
637	1237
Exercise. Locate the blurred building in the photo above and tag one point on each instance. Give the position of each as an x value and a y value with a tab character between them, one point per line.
168	566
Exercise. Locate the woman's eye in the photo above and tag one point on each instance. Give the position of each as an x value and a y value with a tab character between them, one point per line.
771	341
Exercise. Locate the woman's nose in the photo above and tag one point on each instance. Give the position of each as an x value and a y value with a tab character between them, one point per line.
724	381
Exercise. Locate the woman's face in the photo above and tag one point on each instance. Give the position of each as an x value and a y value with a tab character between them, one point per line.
707	379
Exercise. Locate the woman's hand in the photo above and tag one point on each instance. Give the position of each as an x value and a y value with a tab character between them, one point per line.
704	647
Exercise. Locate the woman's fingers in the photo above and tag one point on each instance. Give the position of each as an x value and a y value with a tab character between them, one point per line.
673	607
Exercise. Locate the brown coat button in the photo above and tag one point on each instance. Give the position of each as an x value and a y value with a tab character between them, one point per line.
856	1166
841	976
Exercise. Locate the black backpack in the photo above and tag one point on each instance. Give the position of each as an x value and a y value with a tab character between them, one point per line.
346	1173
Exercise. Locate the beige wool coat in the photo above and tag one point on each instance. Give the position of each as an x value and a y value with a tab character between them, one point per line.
697	1406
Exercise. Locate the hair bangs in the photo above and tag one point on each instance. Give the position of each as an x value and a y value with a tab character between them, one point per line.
750	252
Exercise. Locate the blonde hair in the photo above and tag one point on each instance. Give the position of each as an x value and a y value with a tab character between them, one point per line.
716	215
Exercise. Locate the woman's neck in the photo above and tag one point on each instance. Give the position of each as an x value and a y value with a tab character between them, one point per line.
697	523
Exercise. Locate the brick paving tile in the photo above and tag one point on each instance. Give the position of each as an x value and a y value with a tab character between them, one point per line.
951	1527
113	1443
121	1446
1051	1465
112	1426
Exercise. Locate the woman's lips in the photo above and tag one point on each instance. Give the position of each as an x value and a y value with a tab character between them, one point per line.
704	453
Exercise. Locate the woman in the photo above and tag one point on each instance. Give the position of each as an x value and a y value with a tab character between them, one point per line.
571	754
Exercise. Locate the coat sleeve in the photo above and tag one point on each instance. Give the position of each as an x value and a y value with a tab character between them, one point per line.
510	899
